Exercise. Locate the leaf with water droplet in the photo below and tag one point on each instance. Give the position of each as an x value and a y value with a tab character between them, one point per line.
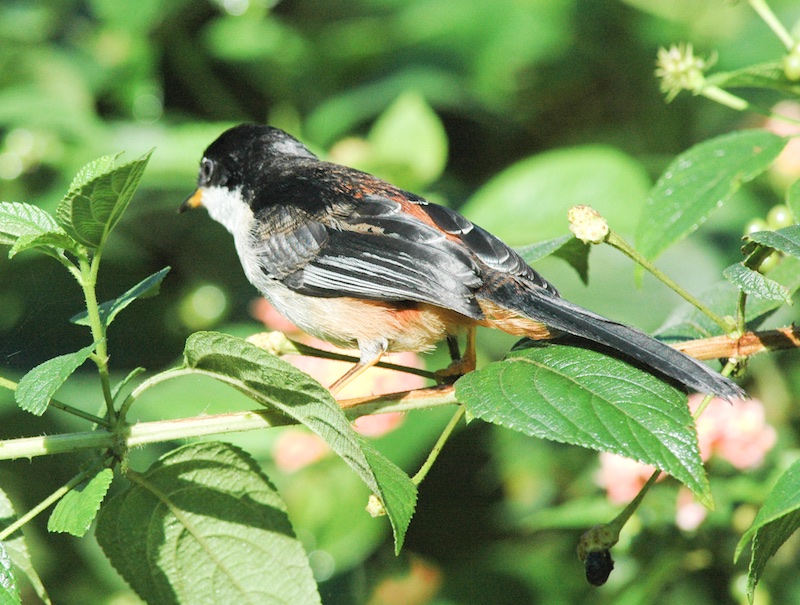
698	182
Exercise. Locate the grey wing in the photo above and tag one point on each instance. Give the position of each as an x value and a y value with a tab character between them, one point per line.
377	252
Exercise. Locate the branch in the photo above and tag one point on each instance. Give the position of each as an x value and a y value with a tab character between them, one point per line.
750	343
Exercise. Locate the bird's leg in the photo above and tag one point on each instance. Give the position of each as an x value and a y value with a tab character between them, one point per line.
452	347
371	354
461	364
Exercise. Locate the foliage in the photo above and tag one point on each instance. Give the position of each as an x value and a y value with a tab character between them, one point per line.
508	111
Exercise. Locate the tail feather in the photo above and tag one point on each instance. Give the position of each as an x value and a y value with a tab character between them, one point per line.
564	316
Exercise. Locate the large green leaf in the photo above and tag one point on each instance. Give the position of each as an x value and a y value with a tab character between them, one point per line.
98	197
278	385
579	396
75	512
37	387
204	525
108	310
529	200
16	548
698	181
777	520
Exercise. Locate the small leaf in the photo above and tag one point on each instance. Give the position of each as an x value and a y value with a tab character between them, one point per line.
149	286
204	525
18	220
566	247
579	396
688	323
753	283
786	240
9	589
38	386
698	181
765	75
277	384
793	200
98	197
777	520
17	549
75	512
50	242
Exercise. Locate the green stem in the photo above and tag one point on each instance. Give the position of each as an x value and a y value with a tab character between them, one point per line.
723	97
620	244
54	403
621	519
765	12
88	283
437	448
144	433
44	504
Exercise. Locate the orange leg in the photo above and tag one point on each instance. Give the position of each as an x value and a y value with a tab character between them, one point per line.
370	355
461	365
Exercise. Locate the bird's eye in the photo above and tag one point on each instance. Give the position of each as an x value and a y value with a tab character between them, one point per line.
206	170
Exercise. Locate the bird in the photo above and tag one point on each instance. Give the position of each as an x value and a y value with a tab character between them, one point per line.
358	262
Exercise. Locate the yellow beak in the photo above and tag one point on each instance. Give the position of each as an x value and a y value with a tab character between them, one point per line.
193	201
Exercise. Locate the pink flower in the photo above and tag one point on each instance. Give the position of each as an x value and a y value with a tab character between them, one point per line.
622	477
787	166
296	448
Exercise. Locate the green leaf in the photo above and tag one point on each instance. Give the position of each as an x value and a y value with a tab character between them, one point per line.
786	240
75	512
37	387
529	200
793	200
19	220
777	520
579	396
51	242
566	247
16	547
9	590
98	197
204	525
764	75
409	142
698	181
753	283
688	323
149	286
278	385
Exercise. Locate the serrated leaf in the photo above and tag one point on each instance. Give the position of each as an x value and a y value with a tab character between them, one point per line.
688	323
75	512
9	590
786	240
579	396
98	197
17	549
753	283
19	220
149	286
775	522
37	387
764	75
700	180
566	247
204	525
279	385
51	242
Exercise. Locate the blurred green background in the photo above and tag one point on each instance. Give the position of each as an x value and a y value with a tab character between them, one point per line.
510	110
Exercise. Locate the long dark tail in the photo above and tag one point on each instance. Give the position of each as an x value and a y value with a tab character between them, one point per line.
561	315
